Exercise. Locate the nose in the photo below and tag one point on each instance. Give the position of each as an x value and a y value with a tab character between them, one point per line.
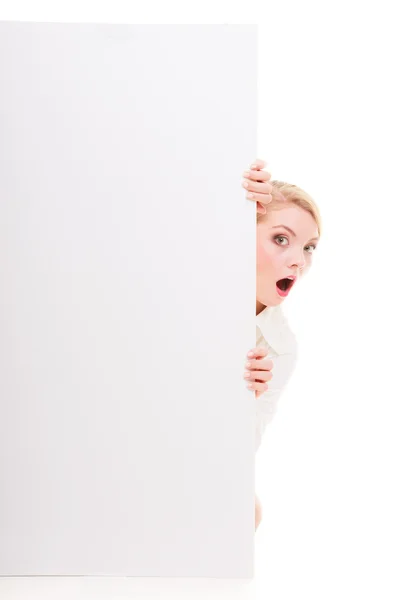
299	262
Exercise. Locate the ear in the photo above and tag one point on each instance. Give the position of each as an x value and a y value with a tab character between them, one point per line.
261	208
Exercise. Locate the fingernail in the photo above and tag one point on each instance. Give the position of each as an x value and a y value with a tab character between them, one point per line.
248	364
250	386
246	184
247	375
250	354
246	173
249	195
253	166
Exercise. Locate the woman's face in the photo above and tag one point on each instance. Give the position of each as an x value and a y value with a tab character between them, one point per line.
281	253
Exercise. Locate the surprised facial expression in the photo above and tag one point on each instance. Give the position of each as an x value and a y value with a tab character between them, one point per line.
286	240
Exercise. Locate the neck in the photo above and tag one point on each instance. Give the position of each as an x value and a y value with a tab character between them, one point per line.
259	307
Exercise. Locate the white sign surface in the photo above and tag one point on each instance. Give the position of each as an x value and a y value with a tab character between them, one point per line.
127	299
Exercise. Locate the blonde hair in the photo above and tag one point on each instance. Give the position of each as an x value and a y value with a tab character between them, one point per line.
294	195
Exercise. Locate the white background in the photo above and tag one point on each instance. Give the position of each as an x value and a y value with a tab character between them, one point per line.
327	471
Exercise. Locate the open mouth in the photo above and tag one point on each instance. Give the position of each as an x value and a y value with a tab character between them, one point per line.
285	285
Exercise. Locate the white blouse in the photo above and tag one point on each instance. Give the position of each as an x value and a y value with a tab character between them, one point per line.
274	333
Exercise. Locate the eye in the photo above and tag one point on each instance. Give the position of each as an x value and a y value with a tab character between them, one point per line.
312	246
282	237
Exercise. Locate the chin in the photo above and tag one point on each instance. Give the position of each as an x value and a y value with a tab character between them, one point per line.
276	302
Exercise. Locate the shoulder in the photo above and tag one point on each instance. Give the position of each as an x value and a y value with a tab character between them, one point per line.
276	331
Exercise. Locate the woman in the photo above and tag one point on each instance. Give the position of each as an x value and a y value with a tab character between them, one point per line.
288	230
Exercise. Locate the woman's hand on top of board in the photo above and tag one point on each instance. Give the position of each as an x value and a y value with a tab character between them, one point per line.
256	182
258	370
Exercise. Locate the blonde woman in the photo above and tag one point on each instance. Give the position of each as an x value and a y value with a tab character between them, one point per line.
288	231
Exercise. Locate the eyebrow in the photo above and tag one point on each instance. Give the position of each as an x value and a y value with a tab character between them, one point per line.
293	233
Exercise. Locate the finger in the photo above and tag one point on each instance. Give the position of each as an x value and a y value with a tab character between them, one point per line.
259	364
257	175
259	352
257	387
263	198
260	187
258	164
261	208
260	376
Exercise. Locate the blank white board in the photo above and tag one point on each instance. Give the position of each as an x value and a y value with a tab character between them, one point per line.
127	299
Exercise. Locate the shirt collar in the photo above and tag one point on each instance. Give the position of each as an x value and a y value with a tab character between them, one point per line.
275	330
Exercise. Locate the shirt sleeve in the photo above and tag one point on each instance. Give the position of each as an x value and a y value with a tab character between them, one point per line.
266	404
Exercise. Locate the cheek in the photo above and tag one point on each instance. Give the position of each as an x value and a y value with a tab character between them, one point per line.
264	255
